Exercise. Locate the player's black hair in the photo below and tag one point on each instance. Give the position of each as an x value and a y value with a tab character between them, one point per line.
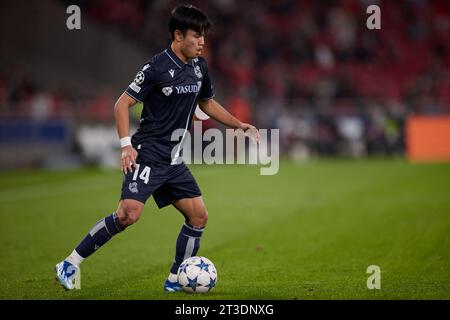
184	17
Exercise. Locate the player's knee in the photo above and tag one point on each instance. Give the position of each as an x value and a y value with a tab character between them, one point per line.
200	219
128	215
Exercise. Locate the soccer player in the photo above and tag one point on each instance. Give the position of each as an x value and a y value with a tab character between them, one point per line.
170	86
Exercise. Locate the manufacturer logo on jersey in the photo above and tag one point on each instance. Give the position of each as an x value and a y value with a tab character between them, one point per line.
139	78
198	72
167	90
172	72
133	187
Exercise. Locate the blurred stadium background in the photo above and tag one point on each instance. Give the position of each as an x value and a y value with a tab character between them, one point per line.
312	69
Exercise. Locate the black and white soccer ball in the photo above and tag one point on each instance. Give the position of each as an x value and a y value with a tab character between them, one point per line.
197	274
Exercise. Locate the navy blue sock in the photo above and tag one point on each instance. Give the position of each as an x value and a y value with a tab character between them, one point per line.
188	243
100	233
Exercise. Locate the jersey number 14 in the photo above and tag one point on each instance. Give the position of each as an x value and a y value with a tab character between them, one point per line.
145	173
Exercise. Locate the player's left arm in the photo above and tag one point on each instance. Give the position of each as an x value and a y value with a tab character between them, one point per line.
213	109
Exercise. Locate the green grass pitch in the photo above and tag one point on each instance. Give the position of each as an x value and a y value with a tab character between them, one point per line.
309	232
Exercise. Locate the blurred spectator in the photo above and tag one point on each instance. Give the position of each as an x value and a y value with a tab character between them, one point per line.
41	106
240	108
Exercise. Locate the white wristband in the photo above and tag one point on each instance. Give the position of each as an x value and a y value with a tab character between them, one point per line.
125	141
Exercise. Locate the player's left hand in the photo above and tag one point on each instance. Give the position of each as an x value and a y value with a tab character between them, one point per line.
251	131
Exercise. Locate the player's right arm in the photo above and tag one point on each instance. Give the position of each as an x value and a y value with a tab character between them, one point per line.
142	84
122	117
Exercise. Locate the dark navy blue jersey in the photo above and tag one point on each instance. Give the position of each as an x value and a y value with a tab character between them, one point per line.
169	90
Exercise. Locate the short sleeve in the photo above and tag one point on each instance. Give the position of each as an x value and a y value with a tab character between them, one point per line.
206	92
143	83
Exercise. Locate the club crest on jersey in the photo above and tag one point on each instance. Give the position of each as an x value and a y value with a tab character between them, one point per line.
172	72
167	90
133	187
198	72
139	78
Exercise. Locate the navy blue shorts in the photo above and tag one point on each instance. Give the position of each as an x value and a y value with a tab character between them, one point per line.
165	182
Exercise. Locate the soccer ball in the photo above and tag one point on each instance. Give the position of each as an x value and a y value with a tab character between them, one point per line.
197	274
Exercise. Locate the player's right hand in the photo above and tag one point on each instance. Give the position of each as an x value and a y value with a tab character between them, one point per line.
128	159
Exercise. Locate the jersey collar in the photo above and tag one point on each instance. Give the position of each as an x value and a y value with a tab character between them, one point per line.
174	58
